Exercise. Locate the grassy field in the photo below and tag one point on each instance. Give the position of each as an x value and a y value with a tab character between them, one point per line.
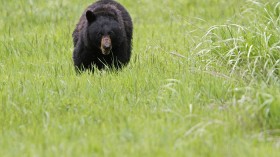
204	80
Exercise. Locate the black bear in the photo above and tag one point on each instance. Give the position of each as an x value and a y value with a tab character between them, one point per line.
103	37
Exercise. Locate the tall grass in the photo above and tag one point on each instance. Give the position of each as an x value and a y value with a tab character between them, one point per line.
203	81
249	46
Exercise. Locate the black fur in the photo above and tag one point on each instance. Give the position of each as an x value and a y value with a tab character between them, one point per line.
104	17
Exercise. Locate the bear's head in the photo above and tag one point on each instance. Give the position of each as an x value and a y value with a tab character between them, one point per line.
103	32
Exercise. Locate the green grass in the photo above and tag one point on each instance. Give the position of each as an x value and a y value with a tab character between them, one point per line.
203	81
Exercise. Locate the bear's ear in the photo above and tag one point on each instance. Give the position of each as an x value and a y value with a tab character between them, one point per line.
90	16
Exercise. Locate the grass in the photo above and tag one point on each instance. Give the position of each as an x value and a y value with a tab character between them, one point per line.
203	81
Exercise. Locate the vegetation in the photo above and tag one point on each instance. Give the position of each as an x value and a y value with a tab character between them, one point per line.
203	81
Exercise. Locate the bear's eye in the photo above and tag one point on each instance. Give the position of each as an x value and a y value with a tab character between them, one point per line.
99	34
111	33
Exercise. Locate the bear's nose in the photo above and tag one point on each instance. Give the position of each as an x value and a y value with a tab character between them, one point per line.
107	44
106	41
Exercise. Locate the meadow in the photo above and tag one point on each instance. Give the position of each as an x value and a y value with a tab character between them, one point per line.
203	80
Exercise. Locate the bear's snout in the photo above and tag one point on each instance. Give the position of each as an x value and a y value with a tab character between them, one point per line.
106	45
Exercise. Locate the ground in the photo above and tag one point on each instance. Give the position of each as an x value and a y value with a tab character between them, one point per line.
201	82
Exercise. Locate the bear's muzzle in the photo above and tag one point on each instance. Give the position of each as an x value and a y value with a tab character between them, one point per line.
106	45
